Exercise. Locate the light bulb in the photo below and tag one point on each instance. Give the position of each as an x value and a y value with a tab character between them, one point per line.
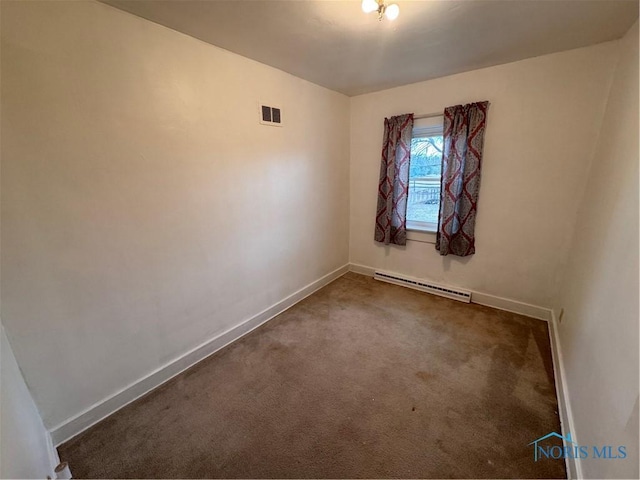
392	11
369	6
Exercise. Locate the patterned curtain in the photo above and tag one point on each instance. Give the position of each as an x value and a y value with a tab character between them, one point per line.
393	189
464	127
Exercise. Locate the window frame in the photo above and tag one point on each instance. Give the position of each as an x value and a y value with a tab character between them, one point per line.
425	127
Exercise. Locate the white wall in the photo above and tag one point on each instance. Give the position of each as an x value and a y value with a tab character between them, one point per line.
25	446
144	208
599	330
542	126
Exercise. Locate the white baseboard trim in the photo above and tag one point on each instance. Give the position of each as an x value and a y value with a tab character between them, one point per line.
362	269
102	409
480	298
574	465
509	305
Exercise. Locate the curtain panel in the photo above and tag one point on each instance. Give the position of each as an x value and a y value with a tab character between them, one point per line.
393	188
464	127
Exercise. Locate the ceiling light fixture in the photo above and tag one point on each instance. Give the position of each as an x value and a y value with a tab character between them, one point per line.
390	11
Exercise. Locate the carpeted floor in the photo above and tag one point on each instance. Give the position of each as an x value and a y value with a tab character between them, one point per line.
361	379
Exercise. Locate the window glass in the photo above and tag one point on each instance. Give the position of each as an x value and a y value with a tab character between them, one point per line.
424	179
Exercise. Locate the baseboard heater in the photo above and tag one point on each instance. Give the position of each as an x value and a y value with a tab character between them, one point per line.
423	286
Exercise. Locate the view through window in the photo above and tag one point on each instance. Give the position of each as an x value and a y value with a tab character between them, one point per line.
424	178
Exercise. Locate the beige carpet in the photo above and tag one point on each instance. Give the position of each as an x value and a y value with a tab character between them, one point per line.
361	379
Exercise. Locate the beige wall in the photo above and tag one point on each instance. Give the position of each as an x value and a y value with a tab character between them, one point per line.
599	330
542	126
144	208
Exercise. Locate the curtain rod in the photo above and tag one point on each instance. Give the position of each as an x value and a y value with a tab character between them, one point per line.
428	115
434	114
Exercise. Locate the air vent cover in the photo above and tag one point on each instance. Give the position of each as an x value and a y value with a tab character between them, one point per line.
270	115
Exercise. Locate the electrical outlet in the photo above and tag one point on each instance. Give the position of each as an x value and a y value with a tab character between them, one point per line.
560	315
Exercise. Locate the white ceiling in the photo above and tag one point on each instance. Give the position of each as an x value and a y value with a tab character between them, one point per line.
335	44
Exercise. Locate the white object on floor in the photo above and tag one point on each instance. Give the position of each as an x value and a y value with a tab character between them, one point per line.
63	472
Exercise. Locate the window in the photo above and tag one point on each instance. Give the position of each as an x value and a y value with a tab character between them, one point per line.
424	175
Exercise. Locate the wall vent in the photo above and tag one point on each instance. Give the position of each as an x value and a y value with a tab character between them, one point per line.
423	286
270	115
